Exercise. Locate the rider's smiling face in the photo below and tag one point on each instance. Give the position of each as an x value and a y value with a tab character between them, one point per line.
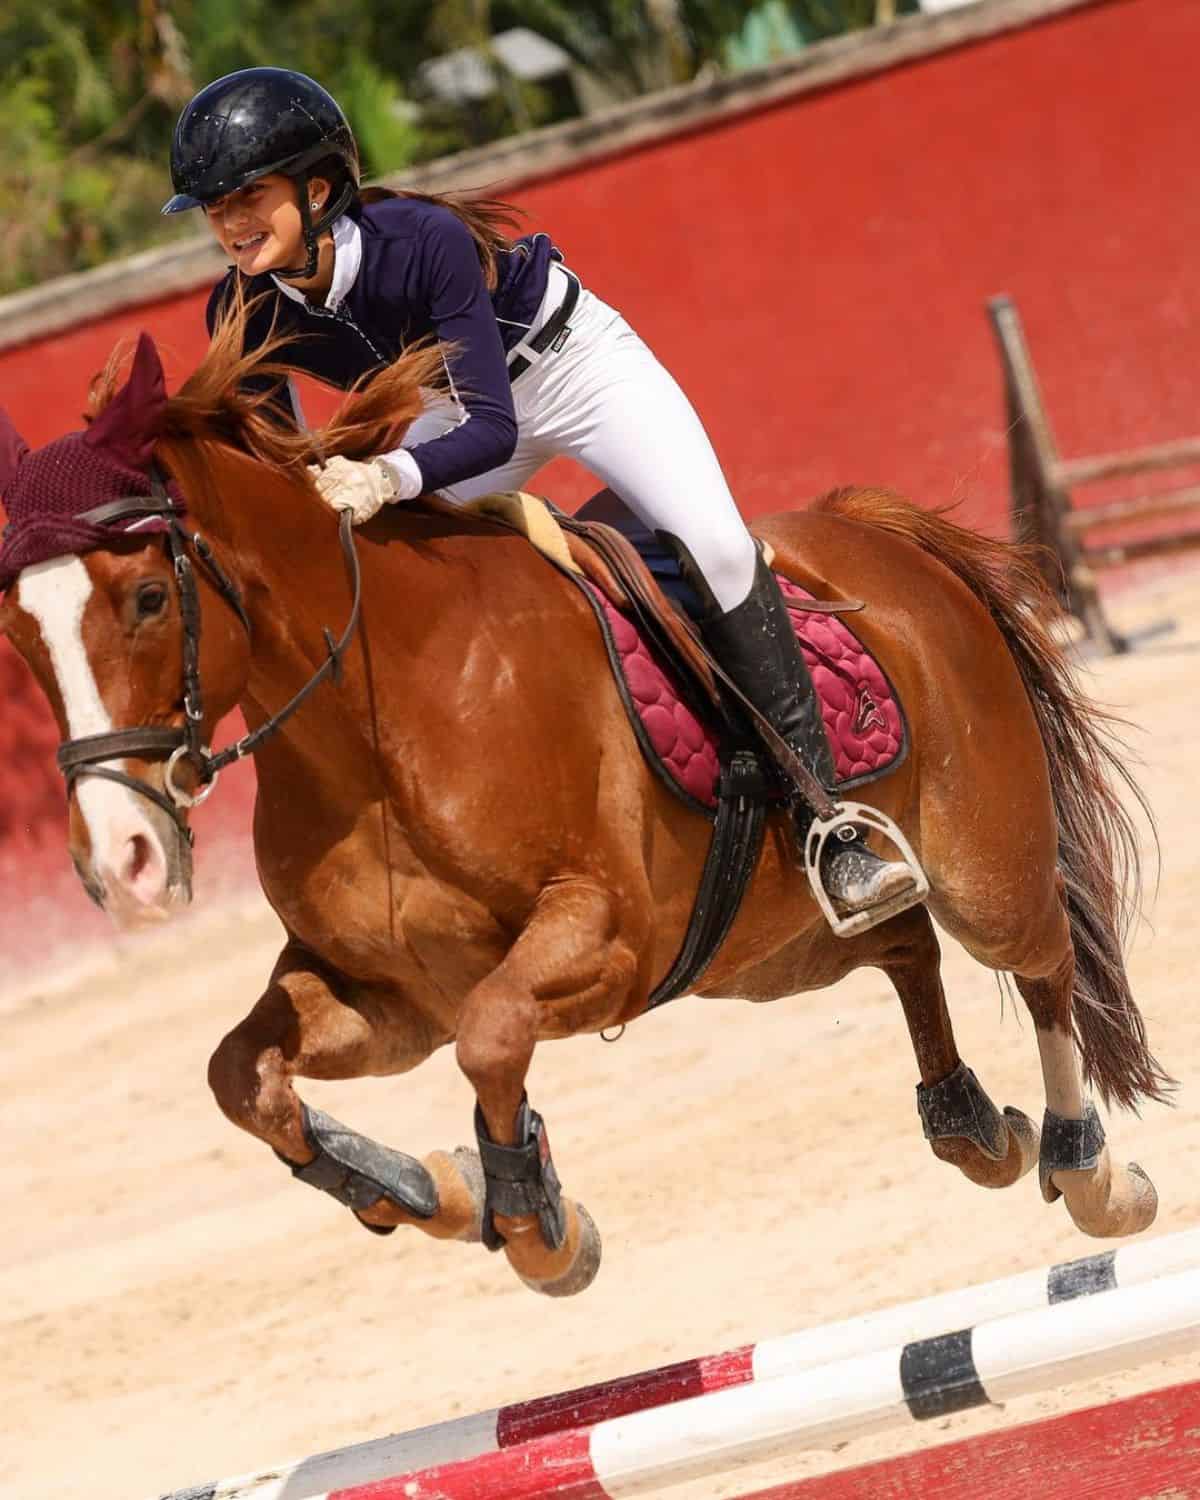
258	226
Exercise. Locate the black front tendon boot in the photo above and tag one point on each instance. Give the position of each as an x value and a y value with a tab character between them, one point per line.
756	645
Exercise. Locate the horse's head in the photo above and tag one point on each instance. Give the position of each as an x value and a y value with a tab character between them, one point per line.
95	604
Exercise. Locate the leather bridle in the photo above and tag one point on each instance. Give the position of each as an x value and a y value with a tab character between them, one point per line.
86	756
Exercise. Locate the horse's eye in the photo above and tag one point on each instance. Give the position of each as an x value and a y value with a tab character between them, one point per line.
151	600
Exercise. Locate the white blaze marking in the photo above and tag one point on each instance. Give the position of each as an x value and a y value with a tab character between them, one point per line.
56	593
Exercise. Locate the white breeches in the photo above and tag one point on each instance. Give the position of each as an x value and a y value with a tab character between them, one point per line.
605	401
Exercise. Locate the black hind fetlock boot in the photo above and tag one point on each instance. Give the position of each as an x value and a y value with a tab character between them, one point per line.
756	645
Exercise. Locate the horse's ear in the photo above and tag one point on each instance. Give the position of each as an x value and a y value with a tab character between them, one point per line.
131	423
13	449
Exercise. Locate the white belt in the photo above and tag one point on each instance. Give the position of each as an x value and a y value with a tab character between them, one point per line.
552	299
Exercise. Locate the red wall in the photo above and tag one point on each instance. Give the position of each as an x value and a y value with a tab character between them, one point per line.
816	275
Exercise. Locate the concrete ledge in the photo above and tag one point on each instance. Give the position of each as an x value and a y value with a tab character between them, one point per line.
68	301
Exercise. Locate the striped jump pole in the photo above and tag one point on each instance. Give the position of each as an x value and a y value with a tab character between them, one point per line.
708	1436
927	1346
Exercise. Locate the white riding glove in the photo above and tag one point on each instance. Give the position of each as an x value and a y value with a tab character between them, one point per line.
363	488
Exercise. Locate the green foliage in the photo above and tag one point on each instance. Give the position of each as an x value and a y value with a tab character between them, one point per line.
387	137
89	94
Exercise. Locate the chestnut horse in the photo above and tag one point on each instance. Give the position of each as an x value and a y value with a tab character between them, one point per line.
459	832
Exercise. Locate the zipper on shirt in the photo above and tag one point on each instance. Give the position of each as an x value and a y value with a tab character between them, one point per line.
340	315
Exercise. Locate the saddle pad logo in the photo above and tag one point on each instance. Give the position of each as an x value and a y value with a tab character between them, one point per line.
868	714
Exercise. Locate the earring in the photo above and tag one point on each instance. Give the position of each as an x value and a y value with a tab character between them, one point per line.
315	204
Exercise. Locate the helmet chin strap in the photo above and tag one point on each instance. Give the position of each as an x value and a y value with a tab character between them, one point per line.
313	230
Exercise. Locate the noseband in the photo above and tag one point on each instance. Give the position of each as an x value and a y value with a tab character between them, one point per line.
86	756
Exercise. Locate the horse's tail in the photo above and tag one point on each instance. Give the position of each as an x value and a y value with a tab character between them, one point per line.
1098	852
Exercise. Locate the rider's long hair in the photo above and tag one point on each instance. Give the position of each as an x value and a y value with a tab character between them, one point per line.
492	222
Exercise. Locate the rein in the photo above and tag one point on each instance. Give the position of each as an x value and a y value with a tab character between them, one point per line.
86	755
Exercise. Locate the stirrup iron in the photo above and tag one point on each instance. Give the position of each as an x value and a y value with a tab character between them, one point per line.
854	815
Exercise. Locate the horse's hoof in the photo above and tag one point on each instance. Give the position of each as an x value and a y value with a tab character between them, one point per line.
1145	1195
581	1269
1025	1135
1022	1138
1109	1201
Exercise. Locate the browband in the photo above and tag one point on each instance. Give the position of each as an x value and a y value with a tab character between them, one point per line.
146	507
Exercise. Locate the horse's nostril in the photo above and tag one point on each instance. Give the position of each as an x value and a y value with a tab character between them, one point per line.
142	868
139	857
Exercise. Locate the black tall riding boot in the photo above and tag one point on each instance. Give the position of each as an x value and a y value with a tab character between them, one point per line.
756	645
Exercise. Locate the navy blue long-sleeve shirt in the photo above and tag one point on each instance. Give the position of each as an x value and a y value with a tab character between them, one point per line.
419	275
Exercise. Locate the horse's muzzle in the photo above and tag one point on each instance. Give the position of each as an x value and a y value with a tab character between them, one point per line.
137	868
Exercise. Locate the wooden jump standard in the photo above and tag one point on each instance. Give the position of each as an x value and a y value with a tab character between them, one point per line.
1042	485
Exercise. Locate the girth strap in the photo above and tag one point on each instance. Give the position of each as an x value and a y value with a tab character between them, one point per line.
742	797
732	856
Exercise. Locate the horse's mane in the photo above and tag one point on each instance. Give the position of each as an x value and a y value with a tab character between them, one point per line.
228	399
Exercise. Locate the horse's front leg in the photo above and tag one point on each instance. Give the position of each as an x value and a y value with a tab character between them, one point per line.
571	969
314	1022
961	1123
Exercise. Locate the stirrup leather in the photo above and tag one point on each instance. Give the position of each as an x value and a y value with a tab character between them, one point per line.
857	814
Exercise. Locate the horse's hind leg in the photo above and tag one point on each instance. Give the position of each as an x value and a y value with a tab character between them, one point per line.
568	971
961	1123
312	1022
1102	1197
1029	934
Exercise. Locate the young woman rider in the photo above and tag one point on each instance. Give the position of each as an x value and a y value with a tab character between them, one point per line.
542	367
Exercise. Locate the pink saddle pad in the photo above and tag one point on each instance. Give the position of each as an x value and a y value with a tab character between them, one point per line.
863	716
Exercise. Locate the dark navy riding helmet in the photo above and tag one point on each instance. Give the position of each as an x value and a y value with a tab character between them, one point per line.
255	122
251	123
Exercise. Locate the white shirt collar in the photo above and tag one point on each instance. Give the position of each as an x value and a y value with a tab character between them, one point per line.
347	259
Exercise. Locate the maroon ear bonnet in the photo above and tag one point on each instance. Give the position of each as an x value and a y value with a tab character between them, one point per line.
46	492
129	425
13	449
